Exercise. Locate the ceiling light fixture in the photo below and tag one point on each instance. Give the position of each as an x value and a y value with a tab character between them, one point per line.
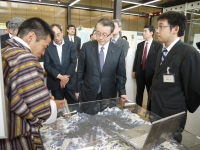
140	4
76	1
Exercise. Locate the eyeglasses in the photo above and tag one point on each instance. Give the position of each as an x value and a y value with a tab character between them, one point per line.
161	27
102	34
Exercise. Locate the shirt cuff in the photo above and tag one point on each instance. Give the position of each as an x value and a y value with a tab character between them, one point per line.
58	76
53	115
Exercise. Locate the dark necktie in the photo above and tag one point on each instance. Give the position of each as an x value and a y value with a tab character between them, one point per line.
71	39
164	54
144	57
101	60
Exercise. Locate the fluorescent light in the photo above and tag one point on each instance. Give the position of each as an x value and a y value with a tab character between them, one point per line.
139	4
131	2
76	1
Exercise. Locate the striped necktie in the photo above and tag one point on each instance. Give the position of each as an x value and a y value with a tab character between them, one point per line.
164	54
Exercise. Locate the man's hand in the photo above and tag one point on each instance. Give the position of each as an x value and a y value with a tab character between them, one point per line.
64	78
77	95
62	85
133	74
60	104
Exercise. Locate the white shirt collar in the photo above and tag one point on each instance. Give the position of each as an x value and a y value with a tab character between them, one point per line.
21	41
116	38
172	44
105	46
10	35
63	42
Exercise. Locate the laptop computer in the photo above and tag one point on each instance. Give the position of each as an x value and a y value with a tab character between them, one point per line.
147	136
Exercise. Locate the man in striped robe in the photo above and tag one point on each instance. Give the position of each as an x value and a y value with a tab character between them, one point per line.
28	99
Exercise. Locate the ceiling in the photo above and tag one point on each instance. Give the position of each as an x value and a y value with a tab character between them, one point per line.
135	7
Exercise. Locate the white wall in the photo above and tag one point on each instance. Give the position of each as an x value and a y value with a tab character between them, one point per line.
3	105
193	122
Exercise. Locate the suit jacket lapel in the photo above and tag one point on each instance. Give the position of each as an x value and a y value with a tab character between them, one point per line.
64	53
55	53
170	56
95	53
151	48
141	52
109	56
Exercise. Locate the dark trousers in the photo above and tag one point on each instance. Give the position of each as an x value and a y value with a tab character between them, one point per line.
68	94
141	83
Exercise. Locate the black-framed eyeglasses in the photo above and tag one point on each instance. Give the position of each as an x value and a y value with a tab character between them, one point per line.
102	34
161	27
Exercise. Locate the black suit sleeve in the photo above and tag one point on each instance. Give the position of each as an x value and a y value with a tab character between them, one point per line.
135	60
47	65
81	69
121	75
73	60
190	75
125	47
79	45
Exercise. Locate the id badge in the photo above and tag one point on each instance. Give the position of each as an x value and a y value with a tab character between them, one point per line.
169	78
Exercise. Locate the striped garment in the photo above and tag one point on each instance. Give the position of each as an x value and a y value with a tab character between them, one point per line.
27	95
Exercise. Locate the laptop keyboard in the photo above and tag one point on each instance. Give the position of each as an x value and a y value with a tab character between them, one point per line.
138	142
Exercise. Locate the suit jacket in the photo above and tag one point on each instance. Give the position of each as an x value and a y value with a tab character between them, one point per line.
5	37
112	77
150	60
182	95
3	40
123	44
77	42
53	66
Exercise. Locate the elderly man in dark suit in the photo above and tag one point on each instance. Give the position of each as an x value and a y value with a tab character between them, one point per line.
101	66
71	30
13	29
117	37
59	63
144	63
175	86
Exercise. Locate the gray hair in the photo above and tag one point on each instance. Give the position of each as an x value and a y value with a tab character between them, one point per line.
15	23
118	22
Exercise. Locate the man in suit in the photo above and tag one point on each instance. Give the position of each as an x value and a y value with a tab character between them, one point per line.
71	30
117	37
13	29
59	63
144	63
101	66
175	86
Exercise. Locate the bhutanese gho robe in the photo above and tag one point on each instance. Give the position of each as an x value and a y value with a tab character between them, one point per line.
28	98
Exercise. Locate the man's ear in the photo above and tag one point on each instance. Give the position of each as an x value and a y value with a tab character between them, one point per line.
175	29
30	37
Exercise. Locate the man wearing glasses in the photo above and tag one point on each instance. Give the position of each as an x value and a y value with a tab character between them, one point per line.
175	86
101	66
59	63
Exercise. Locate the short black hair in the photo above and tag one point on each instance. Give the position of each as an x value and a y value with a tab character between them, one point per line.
91	35
150	27
57	25
7	24
69	26
36	25
124	37
175	19
106	22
